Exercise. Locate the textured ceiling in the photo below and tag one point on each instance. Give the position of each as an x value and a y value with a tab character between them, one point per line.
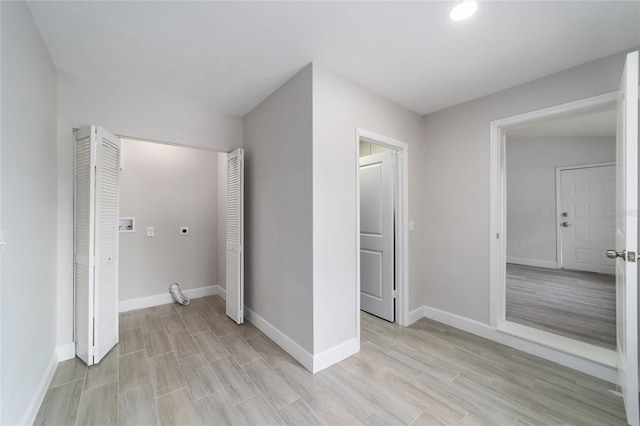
233	54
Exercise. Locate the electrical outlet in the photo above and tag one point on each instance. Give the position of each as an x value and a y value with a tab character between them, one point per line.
184	230
522	244
151	232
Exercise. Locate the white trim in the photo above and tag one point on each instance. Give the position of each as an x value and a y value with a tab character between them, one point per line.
336	354
497	255
592	104
416	315
402	217
605	357
559	218
549	264
357	171
159	142
164	298
31	412
510	336
66	351
279	338
497	208
313	363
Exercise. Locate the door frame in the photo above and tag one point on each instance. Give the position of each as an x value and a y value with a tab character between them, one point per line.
143	302
559	171
498	228
401	222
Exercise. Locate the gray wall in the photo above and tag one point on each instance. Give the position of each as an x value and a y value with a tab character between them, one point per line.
130	113
456	181
167	187
278	213
339	107
222	220
531	187
28	295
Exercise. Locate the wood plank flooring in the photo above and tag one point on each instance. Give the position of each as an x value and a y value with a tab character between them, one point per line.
574	304
222	373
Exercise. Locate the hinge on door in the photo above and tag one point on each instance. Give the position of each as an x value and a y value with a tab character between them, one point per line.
395	294
92	350
631	256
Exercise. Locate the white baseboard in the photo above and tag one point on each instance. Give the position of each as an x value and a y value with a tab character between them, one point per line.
41	389
533	262
285	342
66	351
593	368
336	354
313	363
415	315
164	298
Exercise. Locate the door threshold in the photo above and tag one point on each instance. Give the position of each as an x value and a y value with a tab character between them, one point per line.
597	354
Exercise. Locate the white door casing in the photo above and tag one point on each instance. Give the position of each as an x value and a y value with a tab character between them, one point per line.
627	237
587	358
401	150
586	218
235	236
377	272
97	167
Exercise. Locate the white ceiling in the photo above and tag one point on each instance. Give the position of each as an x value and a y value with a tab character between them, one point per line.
234	54
592	125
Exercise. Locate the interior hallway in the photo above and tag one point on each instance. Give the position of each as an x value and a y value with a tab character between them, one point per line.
575	304
192	365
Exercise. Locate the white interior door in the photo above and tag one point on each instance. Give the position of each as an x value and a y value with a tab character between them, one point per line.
97	167
627	237
106	246
83	243
235	236
377	237
587	221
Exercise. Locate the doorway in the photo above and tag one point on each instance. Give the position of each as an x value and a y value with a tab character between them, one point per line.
377	230
188	204
176	198
624	358
554	225
382	226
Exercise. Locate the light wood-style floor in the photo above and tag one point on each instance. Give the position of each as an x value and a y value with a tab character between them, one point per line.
191	365
574	304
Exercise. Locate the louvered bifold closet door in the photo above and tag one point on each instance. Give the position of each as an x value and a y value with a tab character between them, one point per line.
84	214
235	235
106	246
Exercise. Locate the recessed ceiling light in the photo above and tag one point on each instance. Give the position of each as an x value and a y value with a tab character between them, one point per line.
463	10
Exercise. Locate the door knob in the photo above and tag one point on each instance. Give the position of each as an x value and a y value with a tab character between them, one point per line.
612	254
565	224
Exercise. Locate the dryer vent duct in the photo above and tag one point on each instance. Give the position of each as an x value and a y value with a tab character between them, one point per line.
176	293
